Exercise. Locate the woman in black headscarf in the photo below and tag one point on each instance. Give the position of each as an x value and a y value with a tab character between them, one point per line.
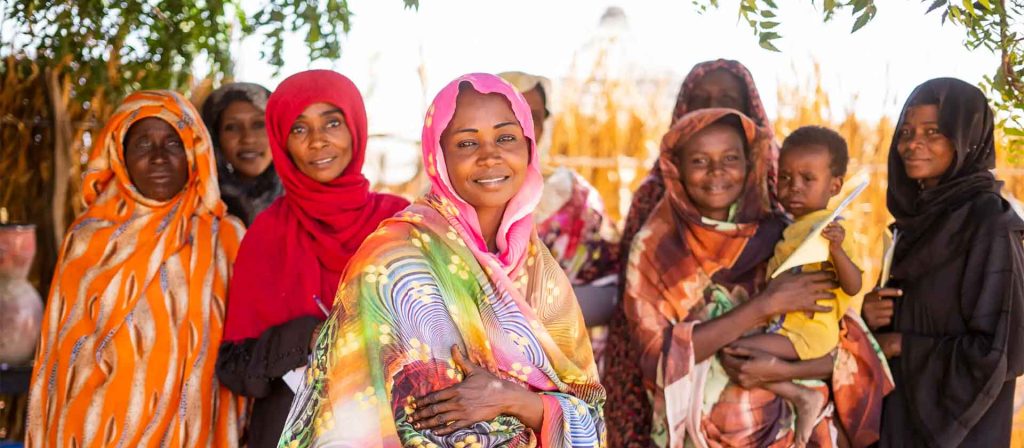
950	319
234	114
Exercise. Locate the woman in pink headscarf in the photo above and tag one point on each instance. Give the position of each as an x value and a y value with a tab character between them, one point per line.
454	325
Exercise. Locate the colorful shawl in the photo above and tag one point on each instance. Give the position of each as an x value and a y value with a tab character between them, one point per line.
135	313
423	282
244	198
684	269
296	250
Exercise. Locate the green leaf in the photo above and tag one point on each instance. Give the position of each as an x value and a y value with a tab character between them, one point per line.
861	21
768	14
769	25
969	7
830	5
936	5
986	3
955	15
1014	132
767	45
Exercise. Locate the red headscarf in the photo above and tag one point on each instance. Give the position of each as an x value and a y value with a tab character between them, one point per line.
296	250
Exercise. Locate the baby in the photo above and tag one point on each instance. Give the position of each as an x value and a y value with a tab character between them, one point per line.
812	164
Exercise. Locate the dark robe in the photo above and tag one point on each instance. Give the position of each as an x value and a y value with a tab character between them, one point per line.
254	367
960	263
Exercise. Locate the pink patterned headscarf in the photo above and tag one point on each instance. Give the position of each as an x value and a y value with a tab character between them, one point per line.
517	225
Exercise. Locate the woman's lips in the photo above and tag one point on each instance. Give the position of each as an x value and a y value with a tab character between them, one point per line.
323	162
250	155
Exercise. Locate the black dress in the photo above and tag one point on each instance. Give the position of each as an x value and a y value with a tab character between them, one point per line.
253	368
960	263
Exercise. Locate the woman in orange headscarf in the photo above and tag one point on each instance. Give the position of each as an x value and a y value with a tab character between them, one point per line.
136	310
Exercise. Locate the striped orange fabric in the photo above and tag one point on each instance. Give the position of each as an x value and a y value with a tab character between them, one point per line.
136	311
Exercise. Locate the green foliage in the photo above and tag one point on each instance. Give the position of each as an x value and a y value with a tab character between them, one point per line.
112	47
996	25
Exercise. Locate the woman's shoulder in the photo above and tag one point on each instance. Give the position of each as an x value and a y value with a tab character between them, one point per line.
991	214
992	207
233	224
390	203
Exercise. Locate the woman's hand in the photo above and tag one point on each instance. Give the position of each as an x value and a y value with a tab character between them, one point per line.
878	307
751	368
797	292
891	343
480	396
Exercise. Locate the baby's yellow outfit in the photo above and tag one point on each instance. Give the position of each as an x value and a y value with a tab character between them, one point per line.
812	337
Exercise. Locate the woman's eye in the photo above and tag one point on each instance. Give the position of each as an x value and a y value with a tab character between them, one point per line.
230	127
298	129
698	161
174	143
507	138
333	123
259	125
465	144
903	133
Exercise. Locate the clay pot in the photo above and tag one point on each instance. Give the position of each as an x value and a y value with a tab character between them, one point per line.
21	307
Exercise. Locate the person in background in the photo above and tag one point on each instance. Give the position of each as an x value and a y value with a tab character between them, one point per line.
235	117
135	314
291	260
572	222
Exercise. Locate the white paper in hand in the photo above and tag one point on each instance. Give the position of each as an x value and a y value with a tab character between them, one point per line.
295	378
814	249
889	245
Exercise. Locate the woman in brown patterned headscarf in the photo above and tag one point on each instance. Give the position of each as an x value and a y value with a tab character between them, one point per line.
695	282
718	83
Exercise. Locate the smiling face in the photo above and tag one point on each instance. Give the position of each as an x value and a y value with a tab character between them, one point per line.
243	139
713	169
927	154
806	182
155	158
320	143
485	151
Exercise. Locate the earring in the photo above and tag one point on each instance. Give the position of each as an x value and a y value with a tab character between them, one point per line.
231	168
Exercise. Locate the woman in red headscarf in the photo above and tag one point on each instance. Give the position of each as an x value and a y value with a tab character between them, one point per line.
292	258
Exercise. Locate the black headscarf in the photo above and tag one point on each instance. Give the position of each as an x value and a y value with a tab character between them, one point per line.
244	198
966	119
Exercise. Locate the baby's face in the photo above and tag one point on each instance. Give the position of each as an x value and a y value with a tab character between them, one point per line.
806	182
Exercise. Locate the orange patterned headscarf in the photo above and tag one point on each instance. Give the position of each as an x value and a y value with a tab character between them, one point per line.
135	314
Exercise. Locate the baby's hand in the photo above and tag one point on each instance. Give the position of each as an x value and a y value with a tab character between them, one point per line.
835	234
